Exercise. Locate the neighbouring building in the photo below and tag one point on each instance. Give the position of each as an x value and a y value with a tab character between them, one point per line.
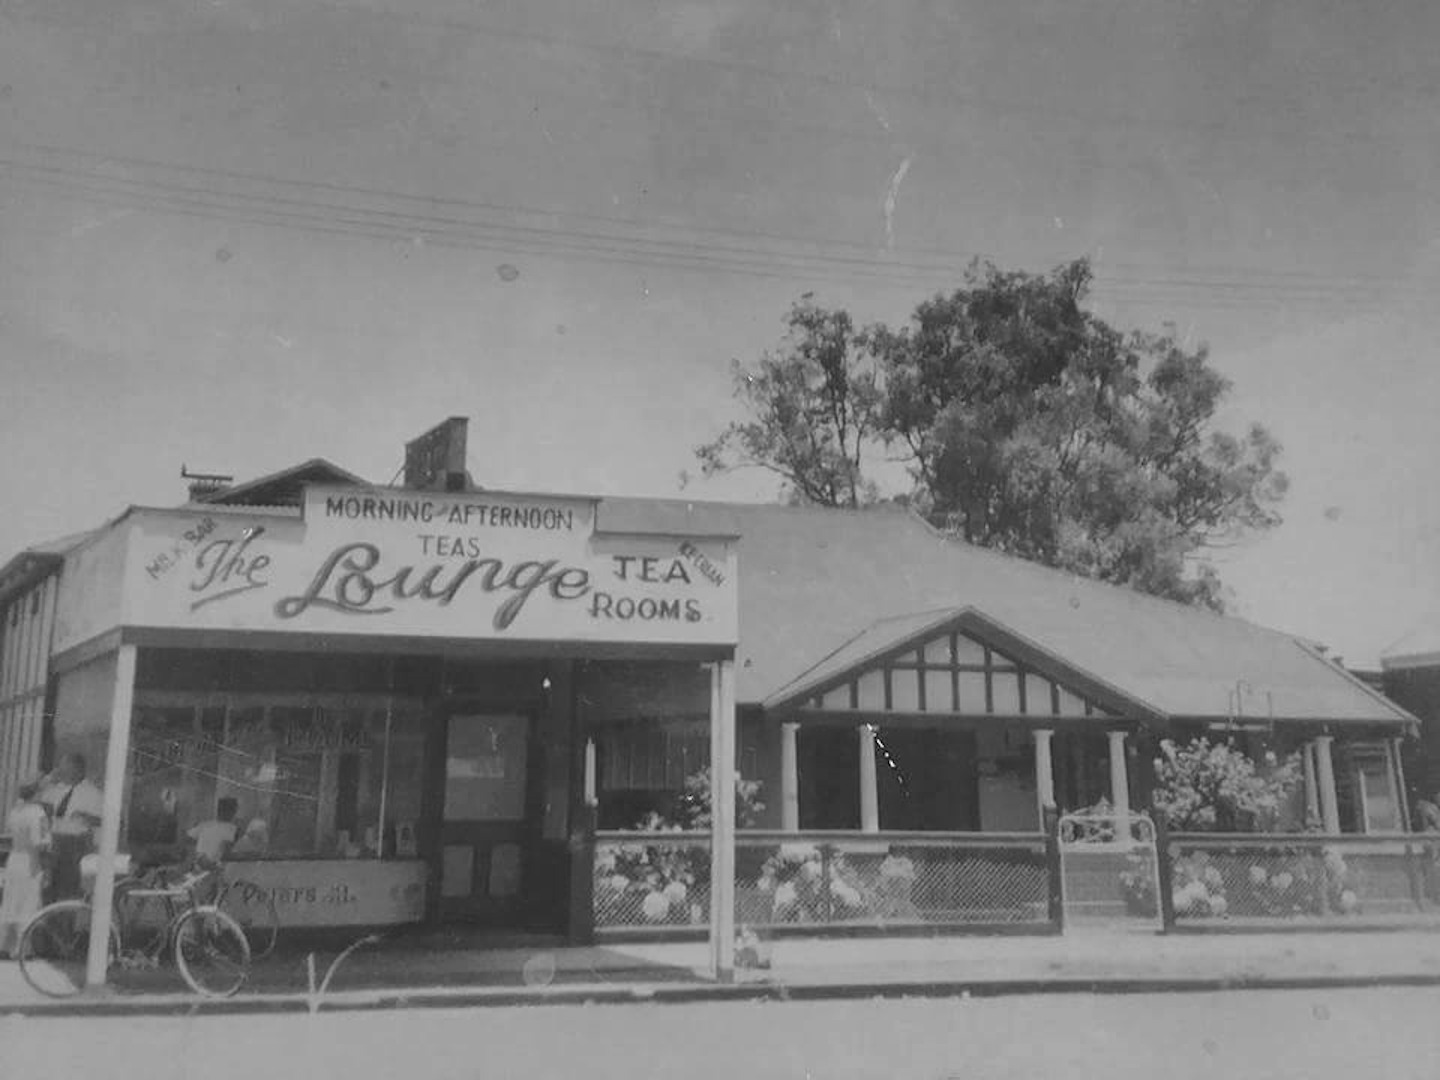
1410	674
418	695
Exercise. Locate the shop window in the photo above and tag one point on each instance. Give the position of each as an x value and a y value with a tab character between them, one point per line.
643	768
308	777
651	726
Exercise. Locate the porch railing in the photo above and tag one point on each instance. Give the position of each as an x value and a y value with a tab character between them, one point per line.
819	880
1236	878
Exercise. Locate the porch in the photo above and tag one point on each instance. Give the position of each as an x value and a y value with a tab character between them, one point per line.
924	773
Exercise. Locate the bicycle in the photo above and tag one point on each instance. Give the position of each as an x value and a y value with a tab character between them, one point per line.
253	908
208	947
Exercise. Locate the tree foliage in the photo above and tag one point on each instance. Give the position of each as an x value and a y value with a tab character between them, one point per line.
814	408
1030	424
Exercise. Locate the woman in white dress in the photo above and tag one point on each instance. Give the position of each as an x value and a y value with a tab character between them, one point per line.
24	877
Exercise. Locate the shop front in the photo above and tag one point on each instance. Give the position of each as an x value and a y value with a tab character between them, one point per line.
383	689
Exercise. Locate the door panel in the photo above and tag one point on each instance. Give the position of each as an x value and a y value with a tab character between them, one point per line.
489	816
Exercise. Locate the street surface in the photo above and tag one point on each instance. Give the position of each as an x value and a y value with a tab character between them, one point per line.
1245	1035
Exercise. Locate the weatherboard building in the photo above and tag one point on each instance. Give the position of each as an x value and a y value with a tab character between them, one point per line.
436	703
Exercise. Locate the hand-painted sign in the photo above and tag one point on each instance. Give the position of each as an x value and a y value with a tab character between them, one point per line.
428	564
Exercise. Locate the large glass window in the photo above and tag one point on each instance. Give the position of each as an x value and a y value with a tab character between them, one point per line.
307	776
651	726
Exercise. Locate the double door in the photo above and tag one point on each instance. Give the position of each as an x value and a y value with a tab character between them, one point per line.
489	827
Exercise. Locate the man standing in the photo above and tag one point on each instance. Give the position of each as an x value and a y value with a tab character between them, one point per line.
76	806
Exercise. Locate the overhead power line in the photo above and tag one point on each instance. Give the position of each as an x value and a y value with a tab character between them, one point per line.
347	210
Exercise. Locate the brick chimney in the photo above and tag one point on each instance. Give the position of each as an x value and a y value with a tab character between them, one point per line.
436	460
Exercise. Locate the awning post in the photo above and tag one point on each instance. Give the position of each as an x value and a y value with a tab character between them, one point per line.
722	820
117	752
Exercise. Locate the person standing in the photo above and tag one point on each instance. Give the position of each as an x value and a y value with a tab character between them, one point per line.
76	806
24	877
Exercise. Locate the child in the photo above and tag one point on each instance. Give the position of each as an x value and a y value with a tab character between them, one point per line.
213	838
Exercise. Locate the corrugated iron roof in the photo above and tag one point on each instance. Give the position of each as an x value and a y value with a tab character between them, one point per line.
813	579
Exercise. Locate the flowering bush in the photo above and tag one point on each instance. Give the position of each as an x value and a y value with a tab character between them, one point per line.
1199	887
693	811
662	878
1276	882
665	880
1204	786
796	879
1137	883
1308	883
896	886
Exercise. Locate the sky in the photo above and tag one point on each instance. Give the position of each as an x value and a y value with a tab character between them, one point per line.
237	234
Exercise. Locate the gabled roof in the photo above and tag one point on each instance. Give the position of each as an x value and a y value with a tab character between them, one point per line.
886	638
812	579
283	488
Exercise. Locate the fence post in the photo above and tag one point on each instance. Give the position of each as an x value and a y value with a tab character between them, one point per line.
1164	870
1053	869
582	876
827	901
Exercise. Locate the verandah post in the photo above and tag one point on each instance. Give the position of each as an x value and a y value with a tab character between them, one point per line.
789	777
117	753
722	820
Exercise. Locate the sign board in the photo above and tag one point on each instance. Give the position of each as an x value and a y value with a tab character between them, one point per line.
332	892
397	562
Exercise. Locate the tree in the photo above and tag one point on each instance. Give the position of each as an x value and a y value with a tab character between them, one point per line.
814	408
1036	428
1031	426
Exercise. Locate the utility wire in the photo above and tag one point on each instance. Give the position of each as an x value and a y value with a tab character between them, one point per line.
326	215
918	258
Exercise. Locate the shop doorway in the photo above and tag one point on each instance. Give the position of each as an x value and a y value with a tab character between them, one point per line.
489	827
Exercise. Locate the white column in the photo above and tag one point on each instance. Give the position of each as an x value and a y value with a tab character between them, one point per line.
1119	774
869	782
722	818
789	778
1325	768
1312	793
1044	772
1397	783
591	789
117	752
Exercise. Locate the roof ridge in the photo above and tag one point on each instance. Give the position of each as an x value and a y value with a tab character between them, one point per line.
1088	582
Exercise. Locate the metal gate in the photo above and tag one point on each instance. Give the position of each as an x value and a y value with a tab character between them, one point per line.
1109	871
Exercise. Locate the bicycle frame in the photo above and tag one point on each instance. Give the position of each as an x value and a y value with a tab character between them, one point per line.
177	901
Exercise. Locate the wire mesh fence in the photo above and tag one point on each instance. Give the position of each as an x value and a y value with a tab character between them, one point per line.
826	879
1329	879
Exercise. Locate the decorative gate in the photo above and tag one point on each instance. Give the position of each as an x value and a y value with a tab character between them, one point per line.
1109	871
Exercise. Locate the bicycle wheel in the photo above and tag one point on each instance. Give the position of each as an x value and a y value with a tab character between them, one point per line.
254	909
55	948
211	952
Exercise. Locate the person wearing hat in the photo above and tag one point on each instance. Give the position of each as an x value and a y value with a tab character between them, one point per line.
24	878
76	806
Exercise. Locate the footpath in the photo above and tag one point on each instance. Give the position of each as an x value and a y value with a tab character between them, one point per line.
401	972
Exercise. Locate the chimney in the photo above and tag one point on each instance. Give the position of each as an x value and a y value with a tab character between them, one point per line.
436	460
203	486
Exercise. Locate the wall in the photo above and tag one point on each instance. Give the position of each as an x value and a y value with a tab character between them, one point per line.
1418	690
91	588
26	628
